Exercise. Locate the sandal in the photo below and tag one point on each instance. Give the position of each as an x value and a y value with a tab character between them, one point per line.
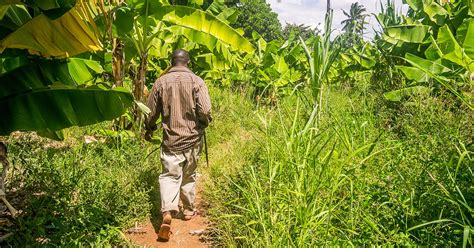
165	228
164	233
190	217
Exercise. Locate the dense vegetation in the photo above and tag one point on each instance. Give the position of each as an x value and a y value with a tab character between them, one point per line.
319	139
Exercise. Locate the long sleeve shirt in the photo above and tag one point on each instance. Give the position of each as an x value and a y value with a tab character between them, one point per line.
182	100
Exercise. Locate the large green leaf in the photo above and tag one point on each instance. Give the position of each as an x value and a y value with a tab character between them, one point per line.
451	50
124	17
408	33
414	4
433	52
414	74
66	36
465	35
14	16
204	22
30	75
435	12
471	8
79	69
55	108
51	8
439	73
434	67
398	95
36	75
43	4
195	36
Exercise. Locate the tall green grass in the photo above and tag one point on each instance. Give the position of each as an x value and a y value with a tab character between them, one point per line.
348	182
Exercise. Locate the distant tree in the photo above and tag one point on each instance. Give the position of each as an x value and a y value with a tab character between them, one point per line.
354	24
256	15
300	30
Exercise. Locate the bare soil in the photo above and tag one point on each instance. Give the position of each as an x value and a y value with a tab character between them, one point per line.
185	234
189	234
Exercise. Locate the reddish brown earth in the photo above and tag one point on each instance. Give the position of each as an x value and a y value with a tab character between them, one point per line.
189	234
182	234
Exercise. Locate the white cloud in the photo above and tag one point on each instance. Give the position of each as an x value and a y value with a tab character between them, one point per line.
312	12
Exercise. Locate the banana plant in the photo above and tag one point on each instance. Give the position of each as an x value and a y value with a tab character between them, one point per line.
436	35
143	26
47	95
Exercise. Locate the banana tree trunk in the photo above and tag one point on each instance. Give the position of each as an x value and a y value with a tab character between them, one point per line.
139	79
139	86
117	62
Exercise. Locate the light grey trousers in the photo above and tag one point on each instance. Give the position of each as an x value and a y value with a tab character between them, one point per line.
178	179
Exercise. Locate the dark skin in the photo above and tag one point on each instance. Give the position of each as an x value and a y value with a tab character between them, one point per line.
179	58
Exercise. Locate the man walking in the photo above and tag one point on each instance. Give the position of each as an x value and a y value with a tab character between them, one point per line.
182	100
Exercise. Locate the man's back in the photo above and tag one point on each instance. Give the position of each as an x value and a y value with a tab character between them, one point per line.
182	99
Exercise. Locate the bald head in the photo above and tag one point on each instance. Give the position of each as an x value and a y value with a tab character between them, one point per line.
180	57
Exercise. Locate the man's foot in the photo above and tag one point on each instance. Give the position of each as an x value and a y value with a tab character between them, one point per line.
165	228
190	216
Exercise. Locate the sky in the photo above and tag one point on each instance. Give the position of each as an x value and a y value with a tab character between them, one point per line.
311	12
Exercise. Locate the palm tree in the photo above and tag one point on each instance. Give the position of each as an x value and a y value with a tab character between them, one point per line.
354	24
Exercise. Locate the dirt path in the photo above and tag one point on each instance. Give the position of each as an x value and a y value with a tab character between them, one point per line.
189	234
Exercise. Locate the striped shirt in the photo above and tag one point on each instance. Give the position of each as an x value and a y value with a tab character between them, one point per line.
182	100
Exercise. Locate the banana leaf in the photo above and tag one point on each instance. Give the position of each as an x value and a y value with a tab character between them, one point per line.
39	74
408	33
13	16
434	67
58	107
438	73
124	20
66	36
465	35
435	12
80	69
203	22
51	8
43	96
416	5
195	36
414	74
36	75
398	95
451	50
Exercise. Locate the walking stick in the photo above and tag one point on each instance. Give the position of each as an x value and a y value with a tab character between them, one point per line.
205	147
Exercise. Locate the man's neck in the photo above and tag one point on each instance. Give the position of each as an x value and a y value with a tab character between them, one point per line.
180	65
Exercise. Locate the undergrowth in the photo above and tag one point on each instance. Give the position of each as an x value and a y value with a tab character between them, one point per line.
369	172
75	194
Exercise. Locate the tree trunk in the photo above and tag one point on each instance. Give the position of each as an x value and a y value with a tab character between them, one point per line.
139	85
117	62
139	79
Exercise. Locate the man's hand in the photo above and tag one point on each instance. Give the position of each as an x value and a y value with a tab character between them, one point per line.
148	135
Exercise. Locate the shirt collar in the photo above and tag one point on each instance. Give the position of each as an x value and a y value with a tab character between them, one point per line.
179	69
